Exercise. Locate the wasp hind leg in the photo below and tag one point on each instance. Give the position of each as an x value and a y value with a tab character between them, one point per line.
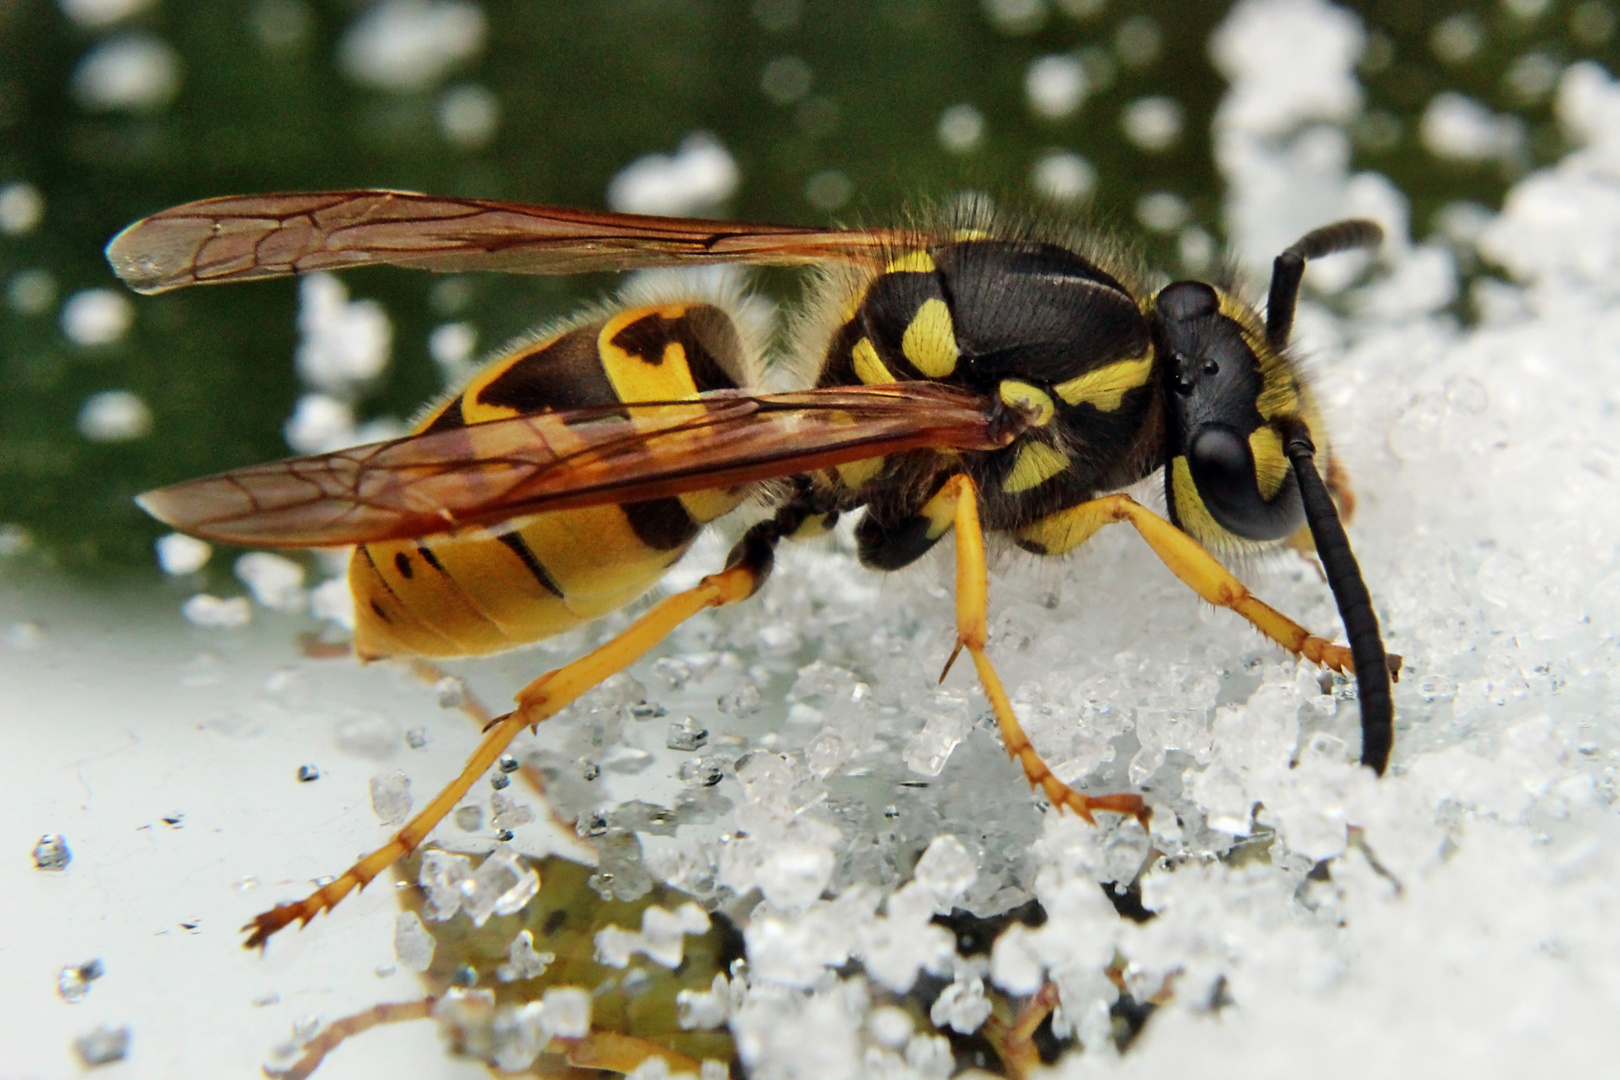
746	569
972	631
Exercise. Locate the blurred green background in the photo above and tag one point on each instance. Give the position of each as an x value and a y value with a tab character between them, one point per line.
833	110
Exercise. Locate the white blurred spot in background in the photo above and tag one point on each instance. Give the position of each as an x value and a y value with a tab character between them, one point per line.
961	129
343	345
114	416
1152	123
133	72
1456	127
1064	176
468	115
699	176
97	316
410	45
179	554
98	14
22	206
1055	86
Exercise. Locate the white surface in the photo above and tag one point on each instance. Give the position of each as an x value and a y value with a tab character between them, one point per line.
103	739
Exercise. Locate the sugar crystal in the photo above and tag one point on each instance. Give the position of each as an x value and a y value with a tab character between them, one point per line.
181	554
501	885
441	878
73	982
103	1046
364	733
213	612
930	1055
506	813
615	946
391	797
413	945
686	734
651	1067
522	961
961	1006
517	1035
568	1011
704	771
663	932
451	692
946	870
744	702
890	1025
704	1009
275	580
51	853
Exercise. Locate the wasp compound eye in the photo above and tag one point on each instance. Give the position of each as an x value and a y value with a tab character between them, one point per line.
1225	472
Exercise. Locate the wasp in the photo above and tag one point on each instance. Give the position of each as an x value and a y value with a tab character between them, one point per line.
963	377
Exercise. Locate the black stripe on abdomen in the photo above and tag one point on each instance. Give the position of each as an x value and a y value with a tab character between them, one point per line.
520	548
661	524
565	374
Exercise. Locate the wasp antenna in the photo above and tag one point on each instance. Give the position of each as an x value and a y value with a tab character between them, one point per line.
1350	593
1289	267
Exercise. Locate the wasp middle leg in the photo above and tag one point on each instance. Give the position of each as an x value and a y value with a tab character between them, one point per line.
972	631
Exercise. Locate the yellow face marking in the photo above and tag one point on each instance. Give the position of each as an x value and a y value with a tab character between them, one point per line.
930	341
1190	510
916	262
1037	463
1270	464
1279	389
969	234
858	473
1028	399
1104	388
868	367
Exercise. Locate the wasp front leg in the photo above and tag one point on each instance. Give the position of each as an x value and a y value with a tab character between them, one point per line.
972	631
1187	559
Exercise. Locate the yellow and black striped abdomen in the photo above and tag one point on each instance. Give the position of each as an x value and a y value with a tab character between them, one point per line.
484	590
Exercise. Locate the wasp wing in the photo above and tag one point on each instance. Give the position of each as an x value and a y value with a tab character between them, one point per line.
486	473
242	237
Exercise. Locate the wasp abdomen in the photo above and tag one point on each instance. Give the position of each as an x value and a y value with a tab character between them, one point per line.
487	589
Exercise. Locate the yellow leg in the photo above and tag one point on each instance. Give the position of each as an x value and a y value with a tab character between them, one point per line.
546	696
334	1034
972	630
1014	1040
618	1053
1188	561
